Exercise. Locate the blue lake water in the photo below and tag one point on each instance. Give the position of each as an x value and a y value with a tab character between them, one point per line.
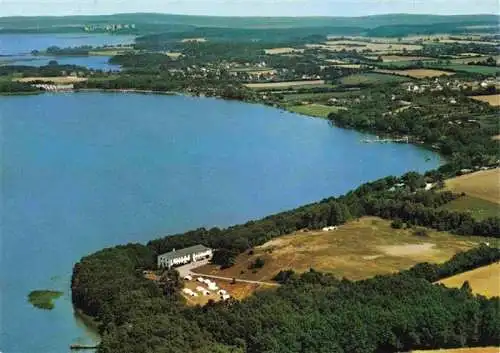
16	48
82	171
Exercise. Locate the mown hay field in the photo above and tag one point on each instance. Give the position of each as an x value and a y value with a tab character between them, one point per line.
417	73
484	185
479	209
493	99
483	280
359	249
278	51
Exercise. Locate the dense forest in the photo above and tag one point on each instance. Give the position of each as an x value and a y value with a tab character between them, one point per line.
312	312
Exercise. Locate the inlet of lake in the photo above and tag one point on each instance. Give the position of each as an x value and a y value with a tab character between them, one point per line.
15	49
83	171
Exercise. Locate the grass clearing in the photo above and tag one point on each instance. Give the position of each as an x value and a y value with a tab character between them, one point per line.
493	99
484	70
483	185
417	73
397	58
317	110
479	209
483	280
278	51
44	299
285	84
357	250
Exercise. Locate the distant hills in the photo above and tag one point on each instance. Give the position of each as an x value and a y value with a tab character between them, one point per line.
155	23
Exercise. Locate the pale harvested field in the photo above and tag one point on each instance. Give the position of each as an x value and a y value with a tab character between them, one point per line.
464	350
357	250
335	61
396	58
417	73
56	80
496	137
199	40
374	47
483	280
274	51
347	66
173	55
483	184
493	99
284	84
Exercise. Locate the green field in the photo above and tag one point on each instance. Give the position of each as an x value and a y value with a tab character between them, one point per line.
44	299
317	110
480	209
484	70
371	78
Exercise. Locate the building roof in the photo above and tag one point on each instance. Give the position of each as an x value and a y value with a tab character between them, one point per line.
184	252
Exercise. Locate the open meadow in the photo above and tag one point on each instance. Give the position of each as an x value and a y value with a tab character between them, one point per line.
371	78
483	280
359	249
279	51
318	110
493	99
417	73
483	185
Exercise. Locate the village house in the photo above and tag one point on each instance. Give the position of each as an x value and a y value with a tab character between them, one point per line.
184	256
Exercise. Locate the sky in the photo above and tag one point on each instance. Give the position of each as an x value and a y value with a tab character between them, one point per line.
247	7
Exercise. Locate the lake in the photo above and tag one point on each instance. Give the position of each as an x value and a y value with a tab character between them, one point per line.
15	49
83	171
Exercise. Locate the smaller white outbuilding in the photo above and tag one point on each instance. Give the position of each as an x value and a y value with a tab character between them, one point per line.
201	279
330	228
188	278
222	292
200	289
225	296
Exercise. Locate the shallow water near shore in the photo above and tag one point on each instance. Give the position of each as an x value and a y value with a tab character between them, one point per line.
83	171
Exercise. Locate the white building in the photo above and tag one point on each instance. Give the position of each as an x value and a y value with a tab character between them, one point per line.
184	256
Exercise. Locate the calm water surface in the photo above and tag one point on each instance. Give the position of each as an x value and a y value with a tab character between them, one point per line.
15	49
84	171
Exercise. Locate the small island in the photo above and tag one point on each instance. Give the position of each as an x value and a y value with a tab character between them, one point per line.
44	299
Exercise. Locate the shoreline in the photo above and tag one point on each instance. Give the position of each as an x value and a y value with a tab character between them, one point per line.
412	140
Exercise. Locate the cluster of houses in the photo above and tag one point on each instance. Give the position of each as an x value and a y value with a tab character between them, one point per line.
438	85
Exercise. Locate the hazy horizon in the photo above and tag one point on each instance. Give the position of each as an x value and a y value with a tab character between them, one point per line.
244	8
